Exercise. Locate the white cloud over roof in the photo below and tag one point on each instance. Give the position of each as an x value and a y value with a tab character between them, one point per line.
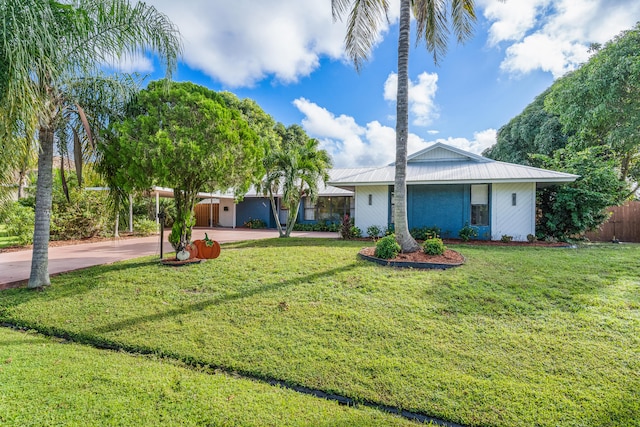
554	35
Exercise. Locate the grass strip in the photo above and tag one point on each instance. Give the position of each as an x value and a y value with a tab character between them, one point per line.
52	382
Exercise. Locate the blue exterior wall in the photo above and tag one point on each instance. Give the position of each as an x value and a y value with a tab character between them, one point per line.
447	207
254	208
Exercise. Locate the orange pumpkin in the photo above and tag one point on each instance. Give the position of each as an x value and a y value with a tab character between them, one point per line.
207	252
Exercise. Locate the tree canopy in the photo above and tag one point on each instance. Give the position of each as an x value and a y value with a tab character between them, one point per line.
187	138
599	104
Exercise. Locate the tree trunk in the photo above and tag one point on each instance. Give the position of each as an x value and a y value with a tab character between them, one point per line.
40	259
407	243
274	209
291	219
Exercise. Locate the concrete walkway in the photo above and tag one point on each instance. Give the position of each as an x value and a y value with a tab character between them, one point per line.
15	267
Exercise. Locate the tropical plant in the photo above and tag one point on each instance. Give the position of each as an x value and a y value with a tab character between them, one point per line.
295	167
46	45
432	21
182	136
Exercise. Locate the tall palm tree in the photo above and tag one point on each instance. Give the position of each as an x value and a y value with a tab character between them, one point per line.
45	44
433	19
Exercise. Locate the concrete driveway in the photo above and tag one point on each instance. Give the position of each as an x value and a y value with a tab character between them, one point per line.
15	267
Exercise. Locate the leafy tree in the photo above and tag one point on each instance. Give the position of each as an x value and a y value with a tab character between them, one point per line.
432	20
45	45
182	136
296	167
534	131
571	209
599	104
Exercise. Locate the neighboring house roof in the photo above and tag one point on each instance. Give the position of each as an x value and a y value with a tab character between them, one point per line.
323	190
443	164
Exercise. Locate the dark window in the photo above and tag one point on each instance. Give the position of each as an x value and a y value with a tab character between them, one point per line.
480	204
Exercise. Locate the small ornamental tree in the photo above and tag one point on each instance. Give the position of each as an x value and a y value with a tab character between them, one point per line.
185	137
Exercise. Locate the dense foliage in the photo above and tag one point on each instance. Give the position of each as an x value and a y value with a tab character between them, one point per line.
433	246
586	123
387	247
571	209
185	137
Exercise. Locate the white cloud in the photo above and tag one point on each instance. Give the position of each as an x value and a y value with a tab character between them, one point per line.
131	64
422	94
353	145
554	35
242	42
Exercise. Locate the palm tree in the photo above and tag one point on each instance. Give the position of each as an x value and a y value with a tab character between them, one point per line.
296	168
432	20
44	45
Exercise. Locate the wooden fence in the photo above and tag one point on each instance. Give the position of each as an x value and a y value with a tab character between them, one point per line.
203	214
624	224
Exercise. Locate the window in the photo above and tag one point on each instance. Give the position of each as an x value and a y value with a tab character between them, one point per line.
480	204
331	209
309	210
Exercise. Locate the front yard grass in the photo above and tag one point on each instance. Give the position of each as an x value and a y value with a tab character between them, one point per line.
47	382
518	336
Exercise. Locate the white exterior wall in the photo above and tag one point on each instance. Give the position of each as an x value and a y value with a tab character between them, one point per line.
516	221
375	214
227	217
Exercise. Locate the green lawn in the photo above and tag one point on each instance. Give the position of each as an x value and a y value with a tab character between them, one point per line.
46	382
518	336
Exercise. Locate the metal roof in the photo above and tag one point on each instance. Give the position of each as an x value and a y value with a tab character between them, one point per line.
434	166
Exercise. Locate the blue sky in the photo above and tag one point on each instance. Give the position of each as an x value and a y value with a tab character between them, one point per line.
288	56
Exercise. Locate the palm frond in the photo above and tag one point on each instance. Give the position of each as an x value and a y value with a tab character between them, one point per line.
363	25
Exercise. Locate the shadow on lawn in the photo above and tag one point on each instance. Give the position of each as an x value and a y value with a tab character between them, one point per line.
69	284
220	300
288	242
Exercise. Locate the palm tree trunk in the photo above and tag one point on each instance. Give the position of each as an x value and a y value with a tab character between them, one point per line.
40	259
291	220
407	243
274	209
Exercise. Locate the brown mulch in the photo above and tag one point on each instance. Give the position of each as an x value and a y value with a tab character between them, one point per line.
449	257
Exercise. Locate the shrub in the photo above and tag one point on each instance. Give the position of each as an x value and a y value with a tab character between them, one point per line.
433	246
348	230
531	238
144	227
389	230
467	233
85	215
387	247
424	233
20	221
374	231
255	223
506	238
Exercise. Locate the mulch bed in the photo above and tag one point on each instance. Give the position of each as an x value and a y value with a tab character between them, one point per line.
417	259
